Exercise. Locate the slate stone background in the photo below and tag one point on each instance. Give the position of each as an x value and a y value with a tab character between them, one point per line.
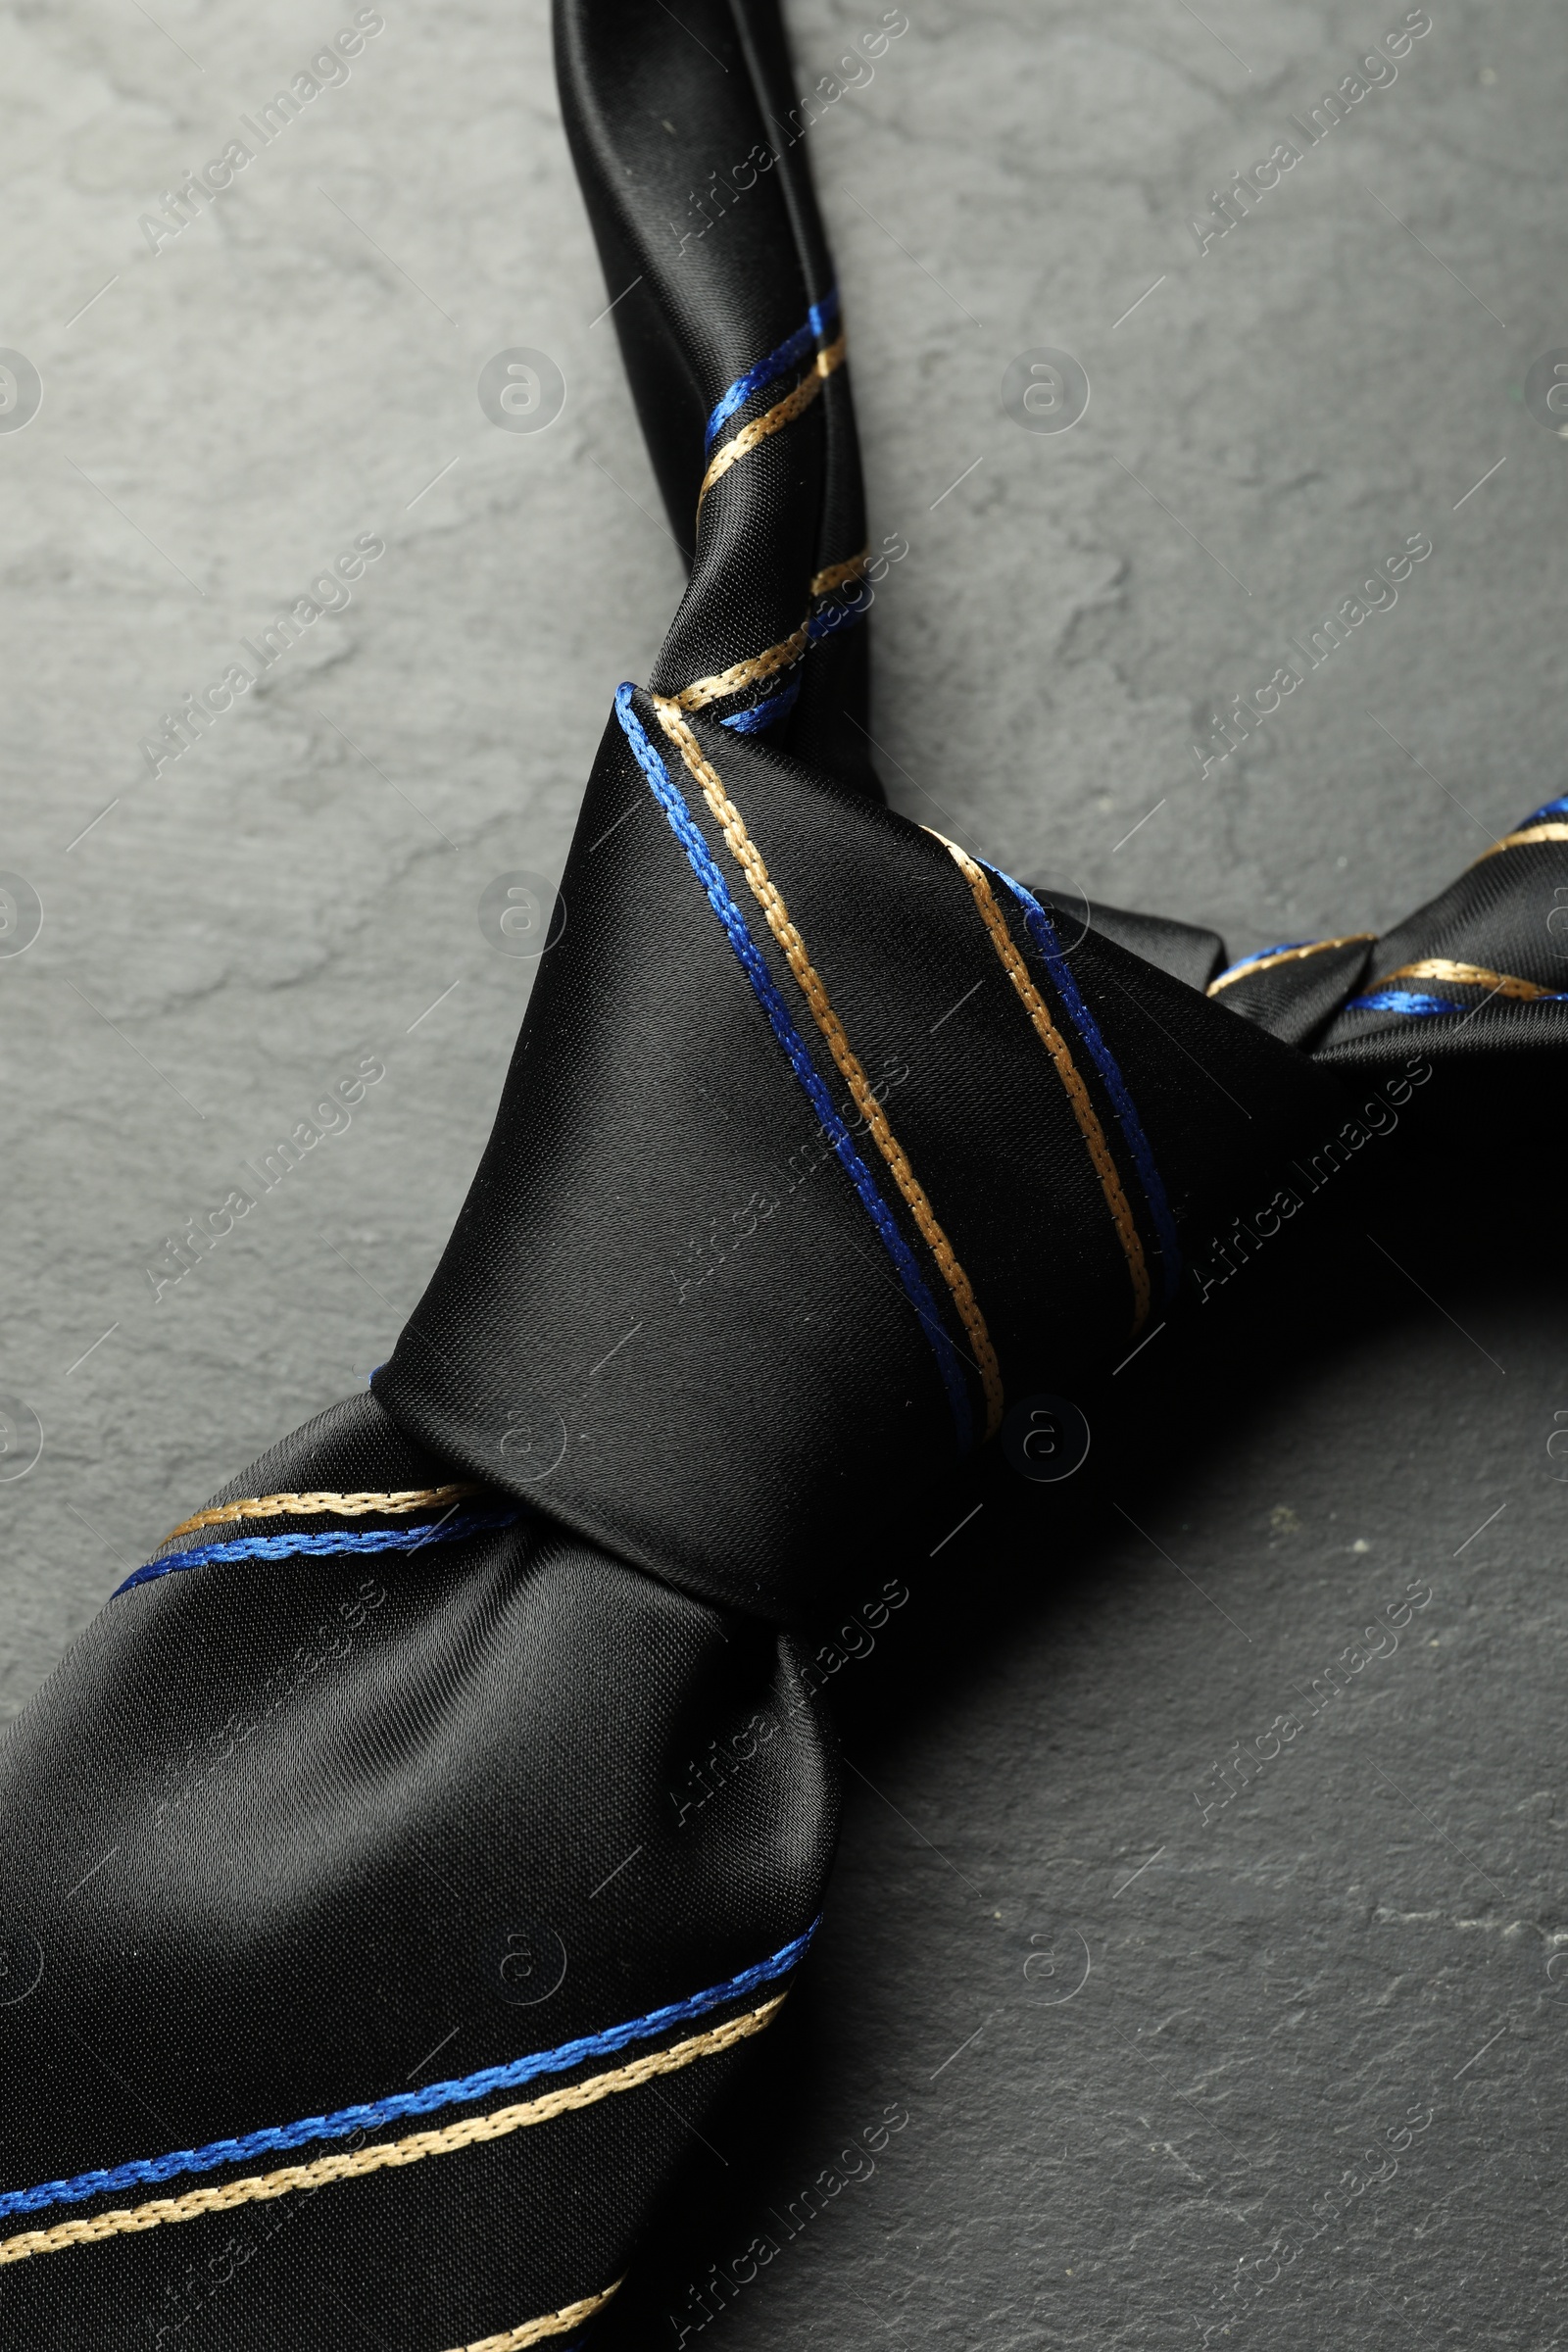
1290	2073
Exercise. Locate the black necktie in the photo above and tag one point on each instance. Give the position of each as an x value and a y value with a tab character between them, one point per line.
456	1782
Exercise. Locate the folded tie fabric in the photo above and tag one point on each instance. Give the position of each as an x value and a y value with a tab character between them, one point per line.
404	1861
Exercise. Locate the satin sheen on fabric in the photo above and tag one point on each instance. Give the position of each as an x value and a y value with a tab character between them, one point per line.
352	1909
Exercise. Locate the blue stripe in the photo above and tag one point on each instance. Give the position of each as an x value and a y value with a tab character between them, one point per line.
826	621
1551	808
1088	1028
672	800
763	714
283	1548
461	2091
1286	947
818	320
1402	1000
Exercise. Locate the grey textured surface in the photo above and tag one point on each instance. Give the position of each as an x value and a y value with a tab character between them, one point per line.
1364	1936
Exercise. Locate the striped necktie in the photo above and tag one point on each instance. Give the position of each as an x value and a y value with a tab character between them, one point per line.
400	1867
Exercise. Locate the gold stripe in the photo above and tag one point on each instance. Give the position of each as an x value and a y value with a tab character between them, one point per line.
344	1506
1266	963
837	573
752	671
534	2332
259	2188
1056	1046
766	894
793	404
1466	975
1524	841
744	673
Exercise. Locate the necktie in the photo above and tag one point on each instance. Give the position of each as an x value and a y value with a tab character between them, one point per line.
403	1862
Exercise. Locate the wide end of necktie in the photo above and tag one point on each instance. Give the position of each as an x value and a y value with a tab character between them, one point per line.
392	1880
